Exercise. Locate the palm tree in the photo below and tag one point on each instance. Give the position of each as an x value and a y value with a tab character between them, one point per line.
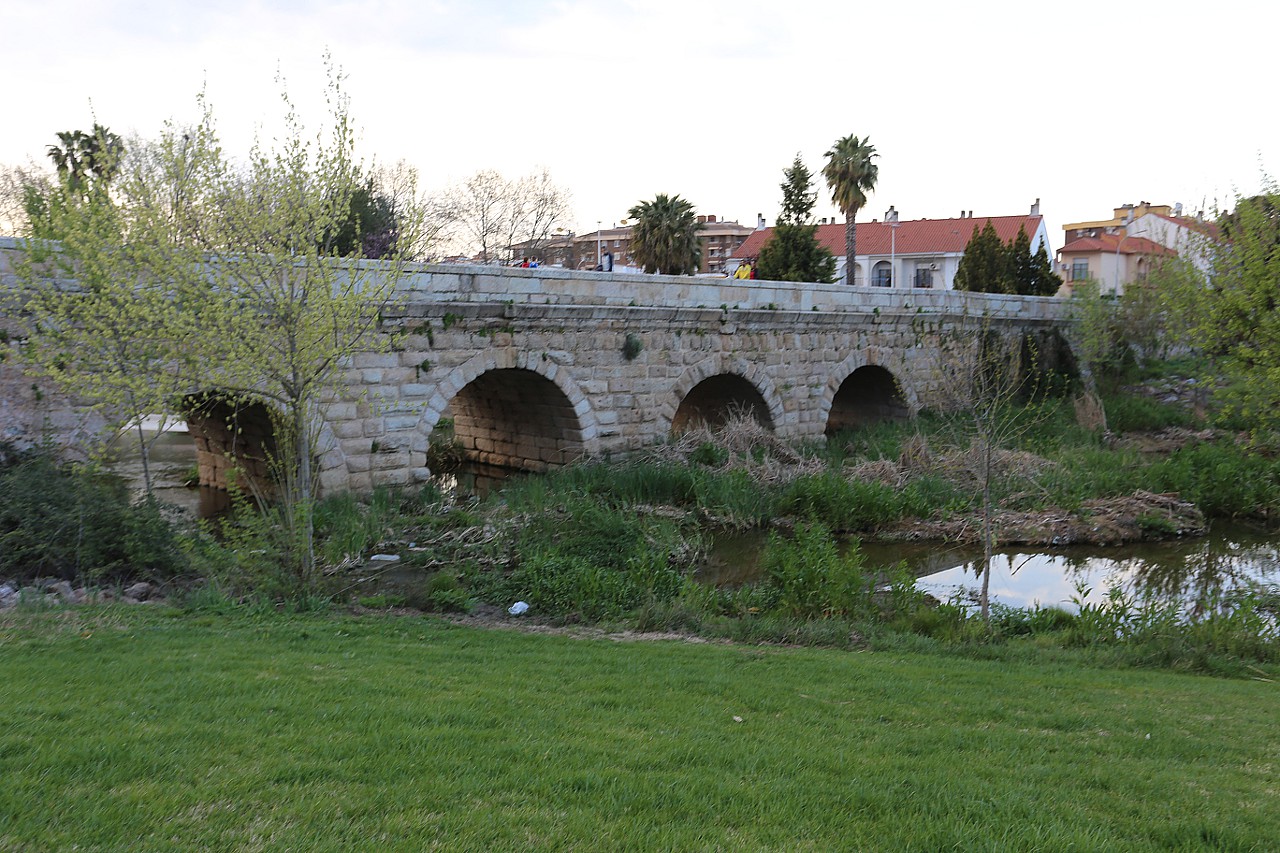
83	157
851	174
665	236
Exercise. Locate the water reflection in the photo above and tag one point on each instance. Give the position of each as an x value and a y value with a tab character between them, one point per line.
1187	572
475	479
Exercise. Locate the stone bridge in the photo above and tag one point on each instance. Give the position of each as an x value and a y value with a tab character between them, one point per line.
537	367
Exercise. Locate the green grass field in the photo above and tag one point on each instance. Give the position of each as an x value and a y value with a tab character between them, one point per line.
148	729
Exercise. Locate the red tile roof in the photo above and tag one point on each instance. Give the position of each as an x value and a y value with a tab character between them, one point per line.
914	237
1115	243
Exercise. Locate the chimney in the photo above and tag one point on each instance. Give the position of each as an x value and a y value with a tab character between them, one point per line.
759	221
1035	208
711	218
891	215
971	214
702	220
1177	209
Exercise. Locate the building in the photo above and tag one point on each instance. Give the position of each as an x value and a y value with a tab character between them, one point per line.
719	238
913	253
1118	251
1112	259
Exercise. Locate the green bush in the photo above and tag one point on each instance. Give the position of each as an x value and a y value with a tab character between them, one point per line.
593	561
76	523
807	577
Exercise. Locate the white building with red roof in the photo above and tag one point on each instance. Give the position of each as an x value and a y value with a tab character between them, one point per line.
908	253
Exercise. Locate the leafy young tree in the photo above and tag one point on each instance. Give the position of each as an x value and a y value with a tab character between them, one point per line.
851	173
793	253
285	307
983	383
246	288
665	236
111	339
1236	319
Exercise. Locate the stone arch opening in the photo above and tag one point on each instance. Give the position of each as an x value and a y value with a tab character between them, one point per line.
1050	364
516	418
868	395
235	442
714	400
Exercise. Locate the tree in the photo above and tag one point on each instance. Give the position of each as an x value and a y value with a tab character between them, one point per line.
984	384
665	236
1235	320
851	174
494	214
87	160
793	253
989	266
247	289
984	267
112	223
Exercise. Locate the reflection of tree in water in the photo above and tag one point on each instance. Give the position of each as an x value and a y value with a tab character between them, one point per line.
1204	577
1199	576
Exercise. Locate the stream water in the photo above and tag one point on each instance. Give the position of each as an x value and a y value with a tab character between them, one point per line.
1183	571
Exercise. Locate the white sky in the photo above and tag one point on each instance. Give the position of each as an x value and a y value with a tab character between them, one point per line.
981	106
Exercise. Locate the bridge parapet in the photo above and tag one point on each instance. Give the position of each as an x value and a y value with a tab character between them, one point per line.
551	286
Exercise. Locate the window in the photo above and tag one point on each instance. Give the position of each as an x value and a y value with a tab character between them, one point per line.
1079	270
617	244
882	275
924	277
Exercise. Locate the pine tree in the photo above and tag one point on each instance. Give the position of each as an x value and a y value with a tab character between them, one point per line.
984	267
1020	263
1047	281
794	253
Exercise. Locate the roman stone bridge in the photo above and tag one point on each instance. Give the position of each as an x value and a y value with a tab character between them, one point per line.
537	367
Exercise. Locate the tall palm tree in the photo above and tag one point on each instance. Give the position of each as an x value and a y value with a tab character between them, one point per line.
665	236
851	174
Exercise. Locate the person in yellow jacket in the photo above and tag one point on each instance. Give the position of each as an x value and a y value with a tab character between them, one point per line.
744	270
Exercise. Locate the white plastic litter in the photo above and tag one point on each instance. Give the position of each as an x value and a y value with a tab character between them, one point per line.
385	558
519	608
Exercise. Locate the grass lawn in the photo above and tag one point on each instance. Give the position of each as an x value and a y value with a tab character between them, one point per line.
142	729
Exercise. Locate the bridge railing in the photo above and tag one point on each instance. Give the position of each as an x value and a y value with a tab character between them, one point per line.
551	286
427	283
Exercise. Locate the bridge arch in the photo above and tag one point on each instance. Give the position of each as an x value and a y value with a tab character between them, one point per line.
860	390
236	444
514	410
710	390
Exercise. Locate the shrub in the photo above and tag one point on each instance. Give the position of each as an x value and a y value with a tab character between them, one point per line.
77	523
807	577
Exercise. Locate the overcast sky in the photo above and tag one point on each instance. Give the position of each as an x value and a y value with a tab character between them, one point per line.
981	106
